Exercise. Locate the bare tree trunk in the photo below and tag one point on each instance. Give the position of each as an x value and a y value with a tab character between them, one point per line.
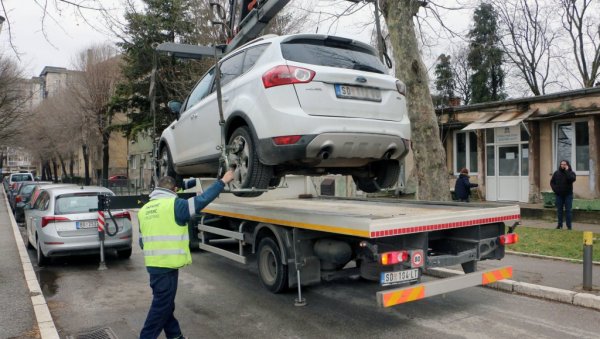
105	155
86	164
71	165
55	167
62	165
429	154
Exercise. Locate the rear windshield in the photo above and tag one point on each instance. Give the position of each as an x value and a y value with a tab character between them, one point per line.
21	177
332	54
76	203
27	189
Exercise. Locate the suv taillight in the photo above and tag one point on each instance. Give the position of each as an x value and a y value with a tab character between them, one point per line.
401	87
286	75
18	198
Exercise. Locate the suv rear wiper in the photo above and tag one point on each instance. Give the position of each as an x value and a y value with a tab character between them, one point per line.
363	67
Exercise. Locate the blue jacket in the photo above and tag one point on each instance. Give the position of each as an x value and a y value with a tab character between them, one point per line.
462	187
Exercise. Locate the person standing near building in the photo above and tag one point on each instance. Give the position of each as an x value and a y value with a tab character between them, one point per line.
164	239
462	187
562	185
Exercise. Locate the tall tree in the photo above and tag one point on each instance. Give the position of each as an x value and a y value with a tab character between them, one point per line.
581	21
99	72
13	99
444	79
528	40
429	154
159	21
485	56
462	74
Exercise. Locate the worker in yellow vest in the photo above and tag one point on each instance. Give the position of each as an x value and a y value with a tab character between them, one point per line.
165	241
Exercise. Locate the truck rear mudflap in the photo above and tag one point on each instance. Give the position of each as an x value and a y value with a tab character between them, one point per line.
397	296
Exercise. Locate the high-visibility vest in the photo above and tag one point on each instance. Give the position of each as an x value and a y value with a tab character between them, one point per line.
166	244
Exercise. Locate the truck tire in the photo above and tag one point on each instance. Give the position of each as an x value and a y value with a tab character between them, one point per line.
383	173
273	273
250	172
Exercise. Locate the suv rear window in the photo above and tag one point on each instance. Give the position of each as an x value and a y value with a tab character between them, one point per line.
76	203
332	53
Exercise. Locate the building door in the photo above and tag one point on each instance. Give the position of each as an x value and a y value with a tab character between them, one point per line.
509	187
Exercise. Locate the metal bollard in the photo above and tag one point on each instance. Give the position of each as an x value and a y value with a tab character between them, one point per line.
102	265
588	241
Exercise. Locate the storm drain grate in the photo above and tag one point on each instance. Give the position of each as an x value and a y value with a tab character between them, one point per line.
98	333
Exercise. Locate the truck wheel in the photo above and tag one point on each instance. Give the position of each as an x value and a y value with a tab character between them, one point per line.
41	258
273	273
249	171
469	266
383	173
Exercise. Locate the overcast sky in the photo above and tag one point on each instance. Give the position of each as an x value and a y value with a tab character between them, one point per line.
64	33
57	41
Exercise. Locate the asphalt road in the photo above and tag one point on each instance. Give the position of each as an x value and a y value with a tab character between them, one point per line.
218	298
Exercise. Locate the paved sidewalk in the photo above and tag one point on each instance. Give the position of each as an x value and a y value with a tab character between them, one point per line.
23	310
17	318
547	224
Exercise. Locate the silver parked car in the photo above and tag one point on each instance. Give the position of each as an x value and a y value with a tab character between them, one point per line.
64	221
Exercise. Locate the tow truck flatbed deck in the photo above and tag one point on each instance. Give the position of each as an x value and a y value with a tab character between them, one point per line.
367	219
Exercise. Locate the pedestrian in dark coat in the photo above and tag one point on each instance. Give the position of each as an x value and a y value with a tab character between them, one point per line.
462	187
562	185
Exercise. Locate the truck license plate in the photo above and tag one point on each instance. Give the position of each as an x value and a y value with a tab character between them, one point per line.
358	93
396	277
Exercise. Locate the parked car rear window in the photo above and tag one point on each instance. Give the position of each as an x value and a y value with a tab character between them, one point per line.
27	189
76	203
331	54
21	177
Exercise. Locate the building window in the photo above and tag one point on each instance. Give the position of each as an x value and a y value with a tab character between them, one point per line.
573	144
465	151
133	161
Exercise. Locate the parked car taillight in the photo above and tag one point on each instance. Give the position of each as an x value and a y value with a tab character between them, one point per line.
286	75
123	215
18	198
401	87
52	218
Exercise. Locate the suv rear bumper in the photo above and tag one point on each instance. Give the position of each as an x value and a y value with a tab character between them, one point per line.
334	146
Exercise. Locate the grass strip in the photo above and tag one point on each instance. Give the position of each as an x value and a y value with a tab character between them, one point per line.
553	242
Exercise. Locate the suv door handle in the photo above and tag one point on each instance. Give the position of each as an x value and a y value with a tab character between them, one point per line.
225	99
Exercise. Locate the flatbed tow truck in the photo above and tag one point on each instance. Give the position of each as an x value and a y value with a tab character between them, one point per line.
394	242
306	240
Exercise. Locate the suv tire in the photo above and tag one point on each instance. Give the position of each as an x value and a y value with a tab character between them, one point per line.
249	171
166	167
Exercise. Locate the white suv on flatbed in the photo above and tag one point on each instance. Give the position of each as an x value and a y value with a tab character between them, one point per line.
300	104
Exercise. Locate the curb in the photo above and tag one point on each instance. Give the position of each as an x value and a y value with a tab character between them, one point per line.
541	256
544	292
42	313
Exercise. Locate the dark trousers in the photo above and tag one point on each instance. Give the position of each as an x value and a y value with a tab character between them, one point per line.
160	317
565	202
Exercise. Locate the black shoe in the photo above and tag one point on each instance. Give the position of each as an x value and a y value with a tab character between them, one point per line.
569	228
559	227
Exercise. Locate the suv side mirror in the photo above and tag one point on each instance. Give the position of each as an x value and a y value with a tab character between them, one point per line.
175	107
